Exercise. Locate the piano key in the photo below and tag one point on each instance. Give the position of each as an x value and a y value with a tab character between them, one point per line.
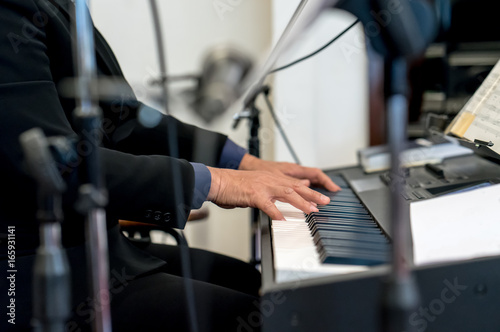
343	208
347	199
354	252
342	194
367	233
334	219
343	223
378	252
349	236
343	231
349	223
347	258
315	215
343	204
342	212
355	244
298	258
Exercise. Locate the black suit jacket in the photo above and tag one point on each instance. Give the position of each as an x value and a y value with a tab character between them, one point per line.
35	56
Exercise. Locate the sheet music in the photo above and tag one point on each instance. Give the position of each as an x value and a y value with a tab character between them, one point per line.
480	117
456	226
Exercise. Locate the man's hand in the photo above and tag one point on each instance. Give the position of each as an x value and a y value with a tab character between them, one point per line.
314	175
260	189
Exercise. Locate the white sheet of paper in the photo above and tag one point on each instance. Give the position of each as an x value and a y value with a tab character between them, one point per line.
457	226
480	117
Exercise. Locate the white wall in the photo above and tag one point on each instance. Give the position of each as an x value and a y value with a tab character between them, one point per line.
190	27
322	102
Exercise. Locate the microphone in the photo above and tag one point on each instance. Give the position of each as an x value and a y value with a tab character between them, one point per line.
220	82
395	28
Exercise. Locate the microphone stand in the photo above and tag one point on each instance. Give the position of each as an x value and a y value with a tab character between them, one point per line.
92	193
401	296
51	276
406	34
251	112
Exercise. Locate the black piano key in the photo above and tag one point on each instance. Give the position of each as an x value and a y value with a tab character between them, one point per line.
349	259
344	199
325	213
339	217
357	225
338	202
321	233
343	212
316	215
342	219
333	219
343	194
346	228
344	232
354	252
333	208
325	225
375	249
342	204
350	236
336	243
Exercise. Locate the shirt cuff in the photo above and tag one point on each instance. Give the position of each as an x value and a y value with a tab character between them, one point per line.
202	183
231	155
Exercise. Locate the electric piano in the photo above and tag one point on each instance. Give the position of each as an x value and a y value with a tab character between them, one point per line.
327	271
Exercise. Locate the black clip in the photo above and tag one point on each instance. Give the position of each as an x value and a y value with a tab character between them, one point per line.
478	143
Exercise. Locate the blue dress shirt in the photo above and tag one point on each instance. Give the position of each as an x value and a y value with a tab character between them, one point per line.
230	158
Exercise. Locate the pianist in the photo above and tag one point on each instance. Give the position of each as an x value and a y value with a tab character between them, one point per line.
147	292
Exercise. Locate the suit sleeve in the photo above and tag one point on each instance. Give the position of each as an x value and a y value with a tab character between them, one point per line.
140	185
190	142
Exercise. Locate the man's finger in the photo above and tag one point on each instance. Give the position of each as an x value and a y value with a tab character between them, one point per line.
326	182
316	176
313	196
305	182
271	210
290	195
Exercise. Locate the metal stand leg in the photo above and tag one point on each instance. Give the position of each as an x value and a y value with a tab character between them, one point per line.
401	296
254	149
51	278
92	194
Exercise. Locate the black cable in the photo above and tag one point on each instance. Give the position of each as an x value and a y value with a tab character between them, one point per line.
266	90
191	77
315	52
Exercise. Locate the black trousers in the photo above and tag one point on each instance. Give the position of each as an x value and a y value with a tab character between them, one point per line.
225	295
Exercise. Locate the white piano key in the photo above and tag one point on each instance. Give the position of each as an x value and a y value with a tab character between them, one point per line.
295	255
